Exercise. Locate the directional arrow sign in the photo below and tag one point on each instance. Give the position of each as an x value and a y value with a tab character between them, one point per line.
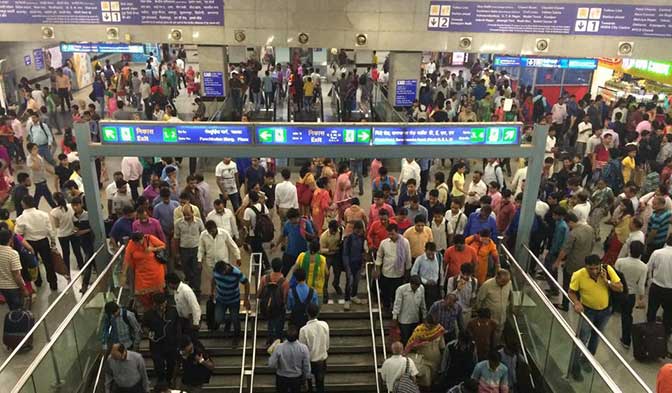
509	135
109	134
363	136
581	25
265	135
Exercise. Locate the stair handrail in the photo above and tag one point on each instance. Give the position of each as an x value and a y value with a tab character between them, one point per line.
585	318
256	322
247	318
595	365
373	330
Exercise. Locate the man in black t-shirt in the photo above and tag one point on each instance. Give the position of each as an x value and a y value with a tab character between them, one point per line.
161	321
63	172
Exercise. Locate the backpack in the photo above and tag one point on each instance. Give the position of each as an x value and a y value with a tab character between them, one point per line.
539	108
124	317
619	298
263	227
304	224
405	383
612	175
299	316
651	182
271	299
108	72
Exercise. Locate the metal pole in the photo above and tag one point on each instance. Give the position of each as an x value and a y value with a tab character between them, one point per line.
530	193
93	200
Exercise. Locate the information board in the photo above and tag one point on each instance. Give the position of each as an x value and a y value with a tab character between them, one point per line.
545	62
38	59
213	83
121	12
102	48
407	90
270	134
430	134
207	134
589	18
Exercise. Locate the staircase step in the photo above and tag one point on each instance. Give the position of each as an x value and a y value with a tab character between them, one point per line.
263	383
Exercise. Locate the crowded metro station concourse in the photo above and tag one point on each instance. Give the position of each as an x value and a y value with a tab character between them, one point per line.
384	196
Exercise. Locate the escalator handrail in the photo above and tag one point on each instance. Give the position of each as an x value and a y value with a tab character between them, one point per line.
64	324
56	301
585	318
595	365
256	323
373	330
247	318
380	319
523	351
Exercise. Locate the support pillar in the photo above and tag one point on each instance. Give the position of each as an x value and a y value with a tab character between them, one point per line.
404	75
213	58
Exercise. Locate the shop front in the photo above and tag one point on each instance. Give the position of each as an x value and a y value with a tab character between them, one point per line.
555	76
639	78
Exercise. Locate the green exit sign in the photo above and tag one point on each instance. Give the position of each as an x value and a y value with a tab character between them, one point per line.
110	134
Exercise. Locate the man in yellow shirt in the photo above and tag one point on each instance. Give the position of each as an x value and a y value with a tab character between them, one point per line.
629	163
592	284
458	183
418	236
315	266
308	90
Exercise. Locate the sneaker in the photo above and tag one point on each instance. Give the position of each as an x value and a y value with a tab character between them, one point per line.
346	307
341	301
357	300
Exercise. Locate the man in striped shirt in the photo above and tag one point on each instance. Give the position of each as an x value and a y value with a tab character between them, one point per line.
226	288
658	227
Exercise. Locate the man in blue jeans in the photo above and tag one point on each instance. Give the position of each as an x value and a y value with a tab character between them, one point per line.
353	259
40	134
12	285
226	280
592	284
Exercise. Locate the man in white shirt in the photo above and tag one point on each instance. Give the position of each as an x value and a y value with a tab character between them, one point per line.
549	151
285	196
475	190
636	235
519	179
315	335
584	130
38	95
409	307
582	207
457	220
594	141
660	292
223	218
214	245
131	168
227	181
35	226
493	172
186	304
559	112
393	260
396	365
634	271
409	170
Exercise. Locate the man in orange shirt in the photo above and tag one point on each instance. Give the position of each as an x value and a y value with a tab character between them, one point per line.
378	231
457	255
486	250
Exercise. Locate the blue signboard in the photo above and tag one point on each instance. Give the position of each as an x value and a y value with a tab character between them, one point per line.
271	134
119	12
102	48
176	133
545	62
26	60
38	58
445	135
407	90
589	18
213	83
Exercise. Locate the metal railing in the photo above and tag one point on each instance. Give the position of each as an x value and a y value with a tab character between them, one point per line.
584	319
42	321
548	366
373	330
40	376
99	373
256	321
244	372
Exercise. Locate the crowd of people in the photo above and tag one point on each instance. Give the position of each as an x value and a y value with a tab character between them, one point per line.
432	232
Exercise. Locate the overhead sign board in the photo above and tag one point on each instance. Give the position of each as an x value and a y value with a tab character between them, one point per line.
588	18
545	62
213	83
176	133
119	12
93	47
444	134
406	92
271	134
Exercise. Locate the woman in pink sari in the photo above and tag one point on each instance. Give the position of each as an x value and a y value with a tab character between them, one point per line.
320	204
343	192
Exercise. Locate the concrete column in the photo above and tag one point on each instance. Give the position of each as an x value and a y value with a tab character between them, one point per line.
213	58
403	66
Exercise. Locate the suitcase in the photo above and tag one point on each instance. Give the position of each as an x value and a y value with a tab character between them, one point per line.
648	341
17	325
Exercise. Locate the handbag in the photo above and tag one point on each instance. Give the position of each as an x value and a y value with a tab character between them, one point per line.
59	264
405	382
161	256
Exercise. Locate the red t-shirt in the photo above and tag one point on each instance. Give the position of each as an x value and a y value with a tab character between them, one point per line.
453	259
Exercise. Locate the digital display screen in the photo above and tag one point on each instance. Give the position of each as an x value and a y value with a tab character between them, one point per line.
102	48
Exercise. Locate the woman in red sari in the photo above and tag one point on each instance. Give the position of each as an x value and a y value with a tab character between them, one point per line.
320	204
620	232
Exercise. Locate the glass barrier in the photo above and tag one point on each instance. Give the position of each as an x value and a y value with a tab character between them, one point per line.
550	341
18	361
64	363
382	106
608	356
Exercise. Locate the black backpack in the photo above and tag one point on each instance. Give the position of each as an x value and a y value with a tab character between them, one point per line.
299	316
618	299
263	228
271	300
